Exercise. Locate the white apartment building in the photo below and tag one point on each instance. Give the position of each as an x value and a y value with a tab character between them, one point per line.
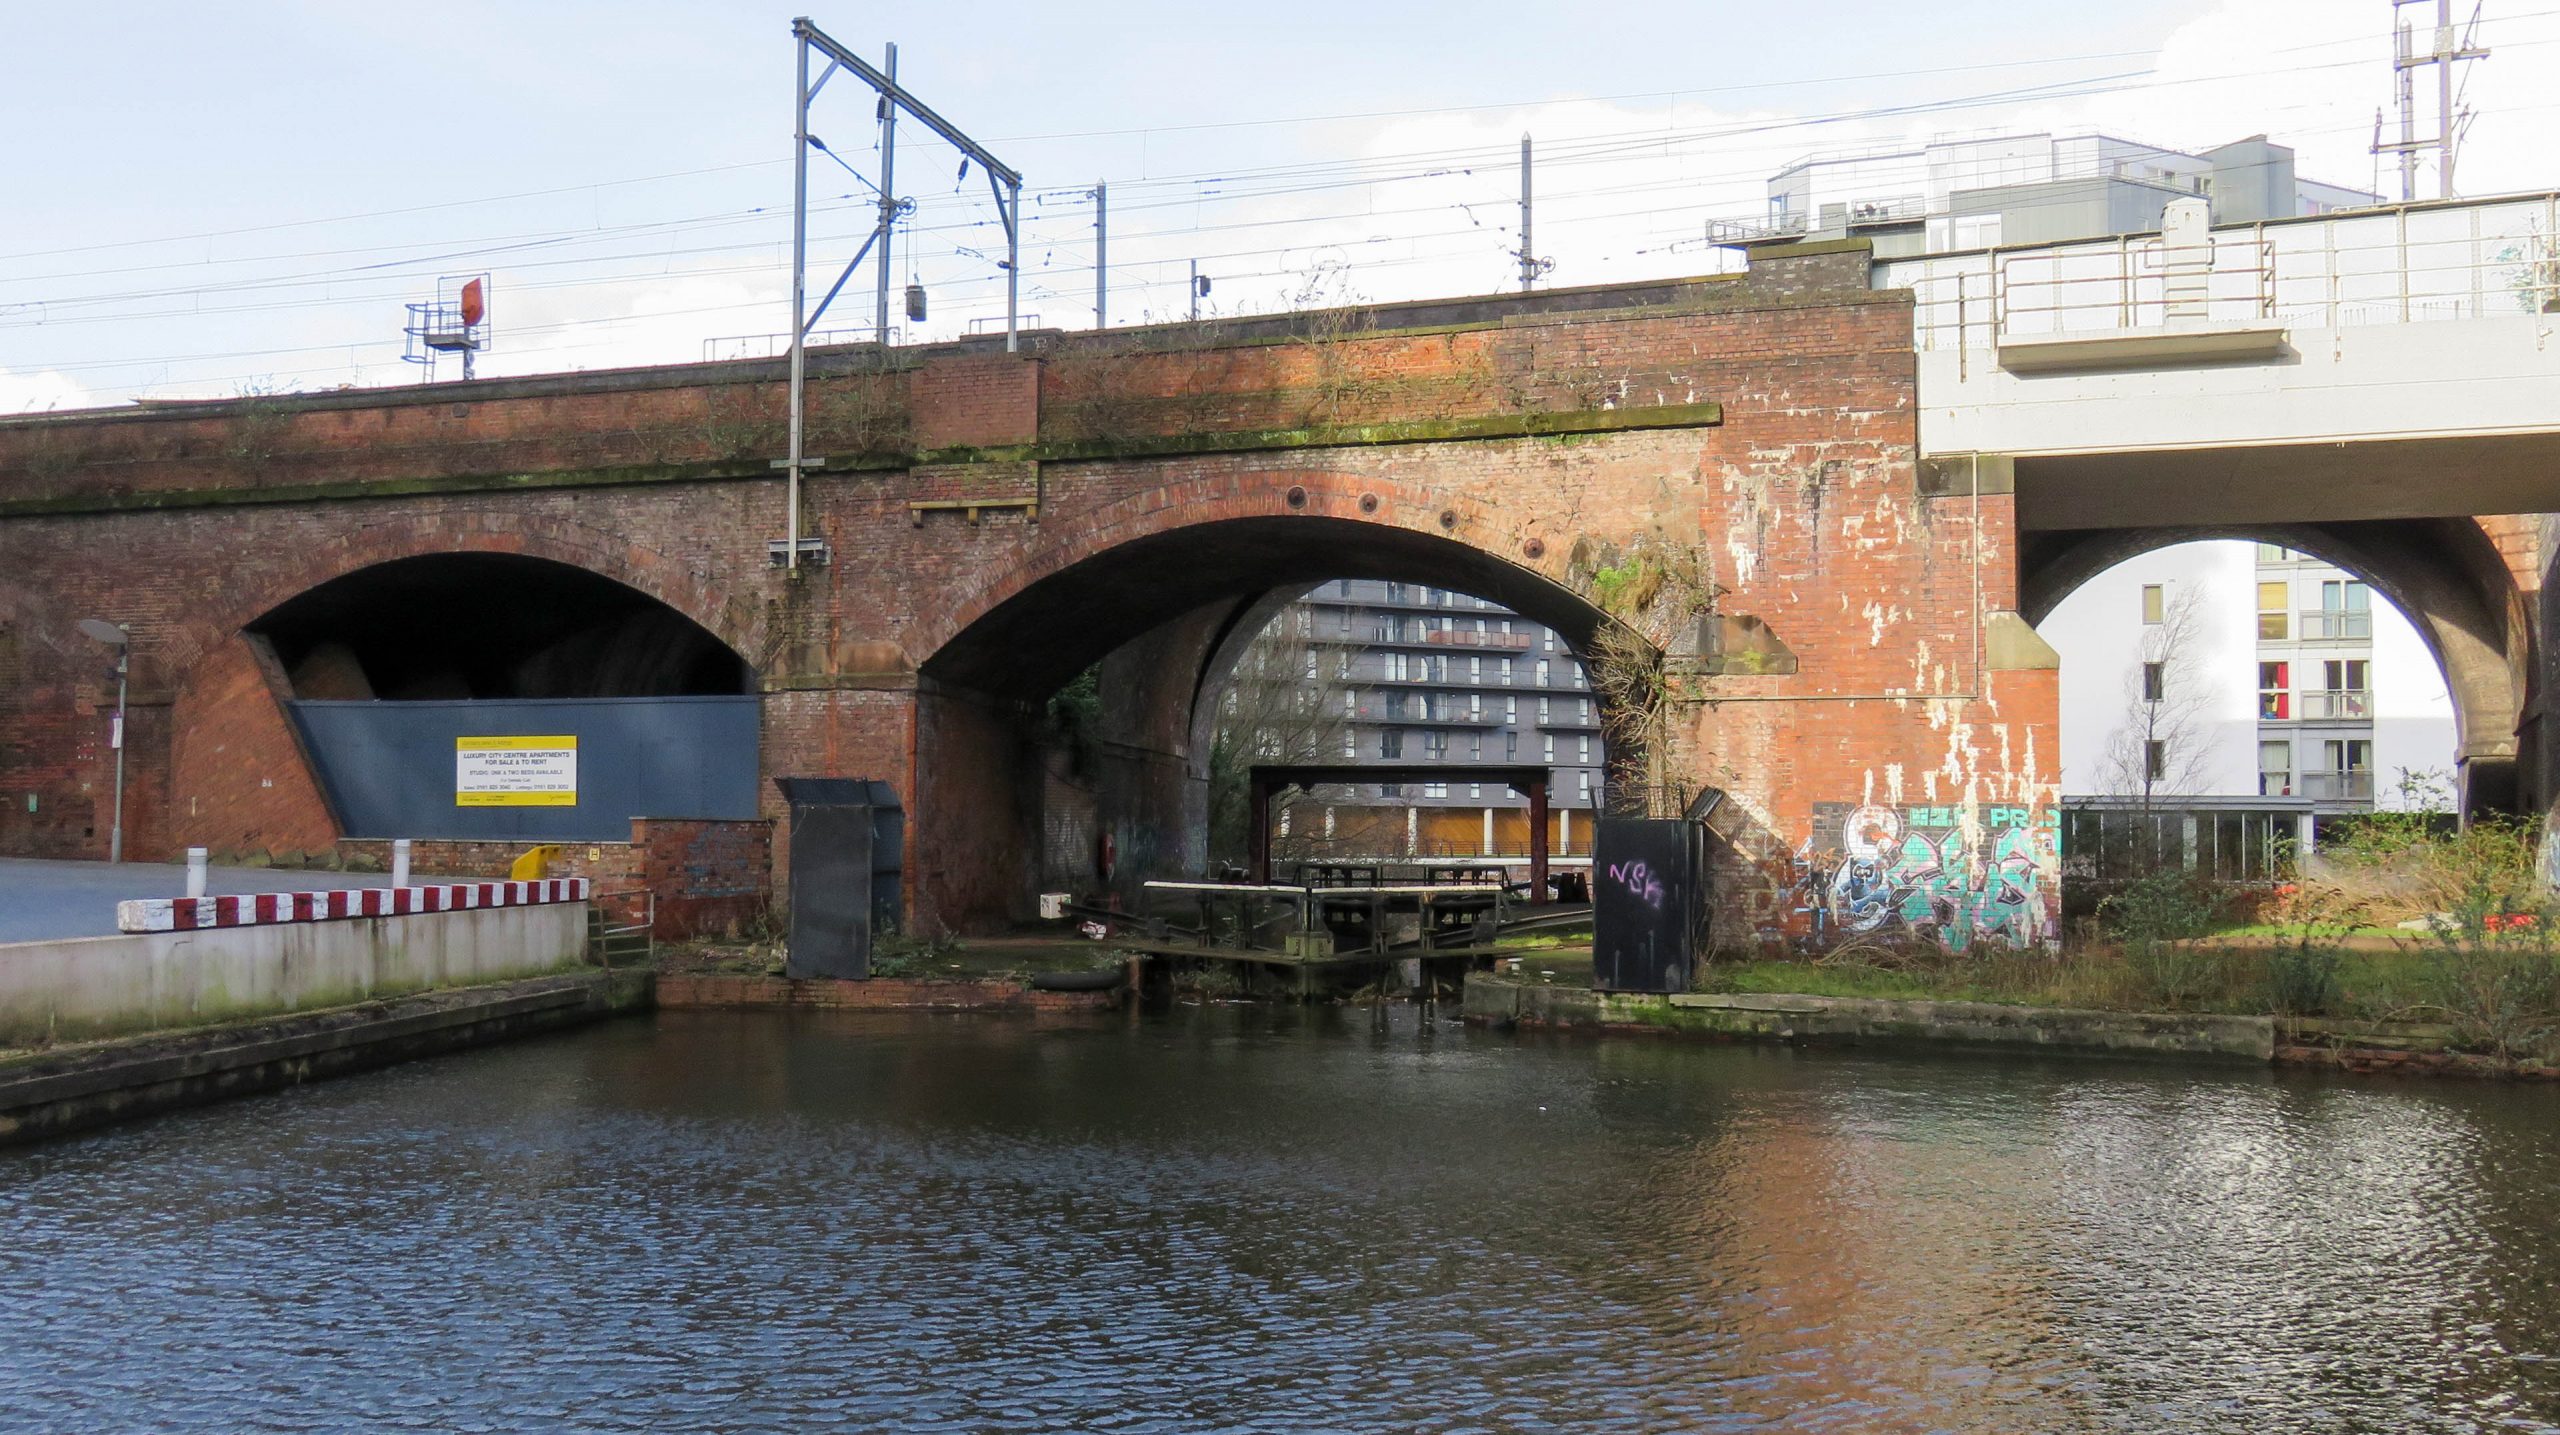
2296	682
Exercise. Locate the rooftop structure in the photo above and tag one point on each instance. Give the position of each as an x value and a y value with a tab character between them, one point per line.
2035	189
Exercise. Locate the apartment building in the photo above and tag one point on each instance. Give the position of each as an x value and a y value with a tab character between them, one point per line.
1429	675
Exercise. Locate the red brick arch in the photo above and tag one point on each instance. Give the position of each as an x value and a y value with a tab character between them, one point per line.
238	603
1405	514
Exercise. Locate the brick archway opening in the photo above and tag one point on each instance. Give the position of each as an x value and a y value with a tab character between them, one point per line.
491	625
311	721
1161	619
2443	576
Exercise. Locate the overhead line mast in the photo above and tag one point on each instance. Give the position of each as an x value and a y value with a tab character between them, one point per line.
1002	179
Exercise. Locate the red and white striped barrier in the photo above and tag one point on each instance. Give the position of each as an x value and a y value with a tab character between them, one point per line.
188	914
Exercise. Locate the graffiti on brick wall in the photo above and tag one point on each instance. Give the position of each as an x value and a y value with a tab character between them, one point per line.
1924	873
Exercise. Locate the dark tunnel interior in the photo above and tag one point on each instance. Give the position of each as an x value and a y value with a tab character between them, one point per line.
492	625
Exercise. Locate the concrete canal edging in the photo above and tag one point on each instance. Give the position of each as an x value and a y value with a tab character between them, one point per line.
721	989
1868	1021
56	1092
83	988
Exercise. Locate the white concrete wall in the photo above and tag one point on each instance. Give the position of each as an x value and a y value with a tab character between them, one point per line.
101	985
2099	632
2458	377
2412	711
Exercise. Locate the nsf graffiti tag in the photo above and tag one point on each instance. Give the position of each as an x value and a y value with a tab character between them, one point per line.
1638	880
1871	870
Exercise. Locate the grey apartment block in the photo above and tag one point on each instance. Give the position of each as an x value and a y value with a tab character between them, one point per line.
1431	675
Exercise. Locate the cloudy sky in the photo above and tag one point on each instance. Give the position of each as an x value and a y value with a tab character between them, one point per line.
207	200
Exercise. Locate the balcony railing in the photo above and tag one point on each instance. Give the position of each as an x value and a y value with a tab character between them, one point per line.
1518	642
2336	623
2338	786
2389	264
2332	704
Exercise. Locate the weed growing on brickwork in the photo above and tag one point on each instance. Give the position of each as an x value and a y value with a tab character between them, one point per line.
1336	316
257	428
860	416
742	421
1653	592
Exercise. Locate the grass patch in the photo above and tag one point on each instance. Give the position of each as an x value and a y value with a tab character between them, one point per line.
2368	985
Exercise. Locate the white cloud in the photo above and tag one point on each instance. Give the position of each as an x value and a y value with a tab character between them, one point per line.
41	391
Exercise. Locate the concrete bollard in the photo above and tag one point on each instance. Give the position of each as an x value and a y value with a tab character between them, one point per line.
399	861
196	860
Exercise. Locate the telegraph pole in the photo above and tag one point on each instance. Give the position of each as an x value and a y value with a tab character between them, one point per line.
1101	255
1528	261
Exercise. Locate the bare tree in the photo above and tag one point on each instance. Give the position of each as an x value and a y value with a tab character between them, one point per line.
1283	705
2159	752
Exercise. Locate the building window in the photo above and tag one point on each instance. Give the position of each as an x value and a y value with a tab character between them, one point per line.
2275	691
1585	743
2274	553
2275	618
1346	623
1551	747
1506	672
1391	789
1435	789
1475	790
1350	743
1475	670
1586	709
2155	683
1342	663
1435	745
1586	789
1395	592
1475	747
2346	611
1576	668
1511	747
1510	708
1346	587
2349	755
2155	607
2275	769
1542	707
2155	760
1426	595
1542	672
1350	703
1395	707
2346	675
1390	742
1475	707
1313	658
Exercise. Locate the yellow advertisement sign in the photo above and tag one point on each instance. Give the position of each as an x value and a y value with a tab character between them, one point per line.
515	771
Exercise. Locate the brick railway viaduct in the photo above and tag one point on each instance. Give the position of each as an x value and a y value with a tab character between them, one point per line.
996	523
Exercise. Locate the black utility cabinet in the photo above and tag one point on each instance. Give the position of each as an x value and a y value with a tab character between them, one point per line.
1648	903
848	835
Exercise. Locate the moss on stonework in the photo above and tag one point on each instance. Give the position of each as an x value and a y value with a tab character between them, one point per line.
1437	430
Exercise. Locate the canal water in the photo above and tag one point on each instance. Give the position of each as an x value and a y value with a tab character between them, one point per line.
1249	1219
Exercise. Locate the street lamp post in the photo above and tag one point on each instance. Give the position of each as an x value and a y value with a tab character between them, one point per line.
119	637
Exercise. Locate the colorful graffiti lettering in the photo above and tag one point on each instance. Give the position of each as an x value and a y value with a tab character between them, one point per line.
1922	872
1638	879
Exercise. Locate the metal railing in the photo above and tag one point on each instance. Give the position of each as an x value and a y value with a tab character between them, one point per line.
2334	624
622	927
2393	264
2338	786
2336	703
